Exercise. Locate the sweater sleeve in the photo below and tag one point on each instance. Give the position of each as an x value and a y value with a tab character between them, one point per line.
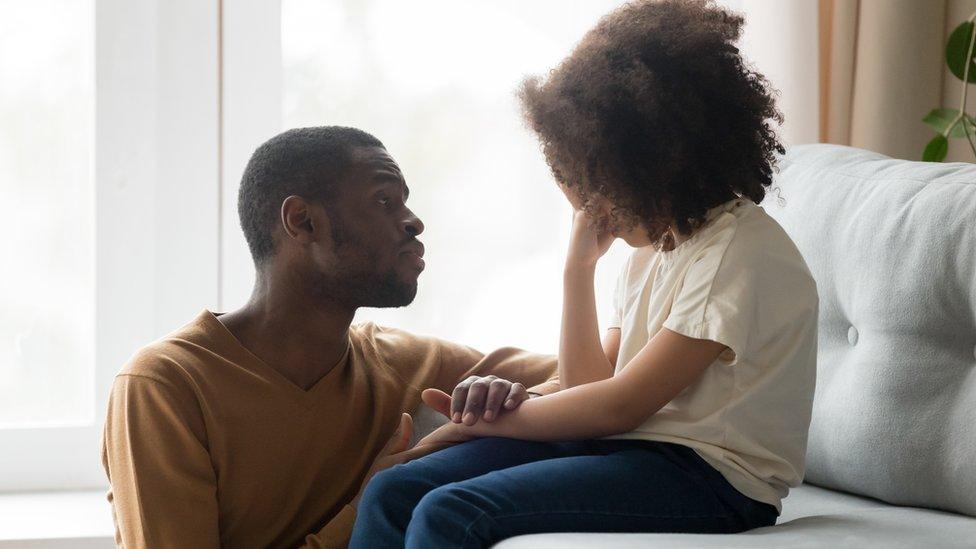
336	533
537	372
163	486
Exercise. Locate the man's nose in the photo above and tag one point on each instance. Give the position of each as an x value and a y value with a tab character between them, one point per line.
412	224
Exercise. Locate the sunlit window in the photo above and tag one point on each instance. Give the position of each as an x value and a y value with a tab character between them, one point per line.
435	81
46	212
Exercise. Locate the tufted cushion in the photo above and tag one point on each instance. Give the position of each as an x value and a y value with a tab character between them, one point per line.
892	246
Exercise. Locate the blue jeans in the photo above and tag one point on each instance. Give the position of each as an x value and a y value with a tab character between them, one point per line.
480	492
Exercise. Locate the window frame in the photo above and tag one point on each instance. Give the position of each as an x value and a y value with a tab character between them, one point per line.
157	78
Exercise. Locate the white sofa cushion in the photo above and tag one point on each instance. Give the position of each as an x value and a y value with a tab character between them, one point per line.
812	518
892	246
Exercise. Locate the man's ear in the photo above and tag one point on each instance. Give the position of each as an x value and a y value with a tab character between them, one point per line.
298	220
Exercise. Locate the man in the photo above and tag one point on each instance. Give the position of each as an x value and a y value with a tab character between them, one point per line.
260	427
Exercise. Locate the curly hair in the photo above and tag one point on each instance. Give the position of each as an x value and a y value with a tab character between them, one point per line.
656	111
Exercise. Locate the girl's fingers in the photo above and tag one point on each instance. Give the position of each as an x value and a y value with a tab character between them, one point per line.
437	400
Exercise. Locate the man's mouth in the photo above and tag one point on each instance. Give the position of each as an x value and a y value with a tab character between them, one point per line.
414	252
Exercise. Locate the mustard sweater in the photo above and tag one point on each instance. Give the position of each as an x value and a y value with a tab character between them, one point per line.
205	445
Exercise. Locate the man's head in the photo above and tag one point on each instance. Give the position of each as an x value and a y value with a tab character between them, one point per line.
327	206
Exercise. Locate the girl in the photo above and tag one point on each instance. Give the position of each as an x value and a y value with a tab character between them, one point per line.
692	415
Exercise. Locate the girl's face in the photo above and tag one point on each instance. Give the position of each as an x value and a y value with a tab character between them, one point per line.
635	237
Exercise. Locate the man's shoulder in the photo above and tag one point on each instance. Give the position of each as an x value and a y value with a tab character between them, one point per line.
404	349
370	333
173	359
158	361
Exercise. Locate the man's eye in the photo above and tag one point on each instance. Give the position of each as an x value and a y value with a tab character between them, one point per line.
383	200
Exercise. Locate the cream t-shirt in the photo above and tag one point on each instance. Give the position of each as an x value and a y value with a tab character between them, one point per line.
740	281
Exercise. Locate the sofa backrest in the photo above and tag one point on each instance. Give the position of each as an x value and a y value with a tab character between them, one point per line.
892	246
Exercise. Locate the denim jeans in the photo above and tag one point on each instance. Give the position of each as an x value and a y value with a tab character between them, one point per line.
480	492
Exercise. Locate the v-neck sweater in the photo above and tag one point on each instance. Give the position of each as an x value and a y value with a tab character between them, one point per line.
206	445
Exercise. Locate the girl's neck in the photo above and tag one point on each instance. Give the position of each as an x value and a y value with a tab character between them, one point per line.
679	237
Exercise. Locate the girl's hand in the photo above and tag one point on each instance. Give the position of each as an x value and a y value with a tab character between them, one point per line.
586	245
448	434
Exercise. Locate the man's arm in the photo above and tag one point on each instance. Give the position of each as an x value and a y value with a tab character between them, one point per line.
458	363
164	490
337	532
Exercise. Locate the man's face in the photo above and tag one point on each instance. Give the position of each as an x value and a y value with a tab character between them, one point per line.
375	258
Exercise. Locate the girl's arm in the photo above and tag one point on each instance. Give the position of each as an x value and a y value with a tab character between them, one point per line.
669	363
581	357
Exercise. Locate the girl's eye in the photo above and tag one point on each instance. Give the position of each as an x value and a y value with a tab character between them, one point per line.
384	201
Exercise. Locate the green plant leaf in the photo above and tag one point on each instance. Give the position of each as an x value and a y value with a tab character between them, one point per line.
939	120
936	150
957	49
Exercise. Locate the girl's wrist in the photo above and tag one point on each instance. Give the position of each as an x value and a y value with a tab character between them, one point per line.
575	267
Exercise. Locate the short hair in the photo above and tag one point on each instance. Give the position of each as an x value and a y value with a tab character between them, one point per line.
656	111
307	162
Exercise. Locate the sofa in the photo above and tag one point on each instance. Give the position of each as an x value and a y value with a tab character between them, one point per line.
891	458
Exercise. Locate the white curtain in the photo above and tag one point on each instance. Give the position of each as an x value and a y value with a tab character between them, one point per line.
857	72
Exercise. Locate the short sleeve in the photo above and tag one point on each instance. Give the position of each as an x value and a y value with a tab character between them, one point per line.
154	450
717	301
616	318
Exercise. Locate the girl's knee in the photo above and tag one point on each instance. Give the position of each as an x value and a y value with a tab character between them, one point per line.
385	486
450	500
450	516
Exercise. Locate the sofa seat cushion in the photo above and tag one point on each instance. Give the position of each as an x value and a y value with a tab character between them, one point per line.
812	517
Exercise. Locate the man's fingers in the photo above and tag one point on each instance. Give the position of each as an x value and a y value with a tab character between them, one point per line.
516	396
401	437
459	397
474	405
438	400
497	392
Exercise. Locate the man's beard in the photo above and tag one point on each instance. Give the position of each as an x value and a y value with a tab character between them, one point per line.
354	280
367	288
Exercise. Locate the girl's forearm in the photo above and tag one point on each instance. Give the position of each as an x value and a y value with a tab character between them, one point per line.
581	356
589	411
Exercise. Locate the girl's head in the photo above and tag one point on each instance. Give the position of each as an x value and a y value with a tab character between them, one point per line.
655	118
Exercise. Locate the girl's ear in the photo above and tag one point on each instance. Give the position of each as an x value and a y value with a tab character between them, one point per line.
602	207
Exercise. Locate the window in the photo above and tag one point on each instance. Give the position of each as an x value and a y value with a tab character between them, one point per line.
108	133
435	80
125	126
47	213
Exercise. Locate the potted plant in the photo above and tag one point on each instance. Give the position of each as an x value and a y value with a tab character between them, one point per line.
955	123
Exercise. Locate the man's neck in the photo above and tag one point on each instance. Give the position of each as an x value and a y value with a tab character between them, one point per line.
301	337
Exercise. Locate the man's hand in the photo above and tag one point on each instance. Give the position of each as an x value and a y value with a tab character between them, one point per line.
396	452
477	397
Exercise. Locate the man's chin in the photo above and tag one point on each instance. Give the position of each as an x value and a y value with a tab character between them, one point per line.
393	295
406	296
